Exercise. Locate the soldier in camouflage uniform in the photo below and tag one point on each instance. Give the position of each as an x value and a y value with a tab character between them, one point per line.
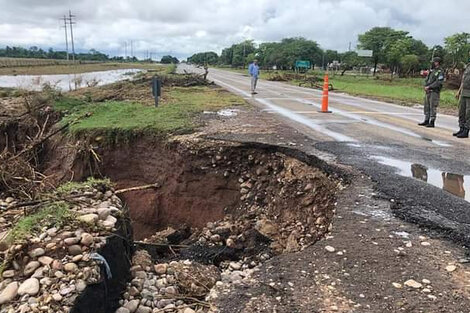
432	87
464	104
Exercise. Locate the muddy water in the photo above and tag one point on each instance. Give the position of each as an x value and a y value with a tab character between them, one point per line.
456	184
66	82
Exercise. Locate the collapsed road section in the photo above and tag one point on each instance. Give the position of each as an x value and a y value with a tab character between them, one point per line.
191	217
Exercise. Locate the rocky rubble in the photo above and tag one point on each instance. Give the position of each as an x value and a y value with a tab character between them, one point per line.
284	204
182	286
284	199
47	269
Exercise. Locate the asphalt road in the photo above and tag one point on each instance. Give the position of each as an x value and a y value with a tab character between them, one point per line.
424	172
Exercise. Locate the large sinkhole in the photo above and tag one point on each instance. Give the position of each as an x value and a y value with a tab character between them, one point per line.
222	194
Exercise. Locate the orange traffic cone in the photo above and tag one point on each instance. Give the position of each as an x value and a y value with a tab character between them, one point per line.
324	104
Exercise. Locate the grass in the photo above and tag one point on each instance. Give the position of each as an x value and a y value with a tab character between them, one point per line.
78	68
408	91
91	182
117	120
53	215
9	92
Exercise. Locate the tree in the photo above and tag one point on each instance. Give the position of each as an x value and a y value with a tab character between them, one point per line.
349	60
226	56
420	49
241	51
168	59
38	53
204	58
457	47
396	51
379	40
298	48
409	63
330	56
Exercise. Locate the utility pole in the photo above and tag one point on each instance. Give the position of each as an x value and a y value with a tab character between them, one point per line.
244	52
125	48
132	50
71	22
349	46
66	37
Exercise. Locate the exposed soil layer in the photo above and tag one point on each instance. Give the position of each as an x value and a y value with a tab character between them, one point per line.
188	194
204	182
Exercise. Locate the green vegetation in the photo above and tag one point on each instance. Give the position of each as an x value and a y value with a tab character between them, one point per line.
39	53
91	182
171	69
209	57
9	92
121	120
52	215
168	59
392	51
408	91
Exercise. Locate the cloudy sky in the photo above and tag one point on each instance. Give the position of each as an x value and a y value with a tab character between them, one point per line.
182	27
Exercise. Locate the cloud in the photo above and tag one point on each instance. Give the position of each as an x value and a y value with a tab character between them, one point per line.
183	27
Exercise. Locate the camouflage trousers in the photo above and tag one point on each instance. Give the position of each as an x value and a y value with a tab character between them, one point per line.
464	112
431	102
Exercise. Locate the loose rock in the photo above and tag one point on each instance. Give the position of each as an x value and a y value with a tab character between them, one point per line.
330	249
413	284
9	293
29	286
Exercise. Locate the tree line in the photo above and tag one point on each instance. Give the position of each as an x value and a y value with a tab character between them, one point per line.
395	50
92	55
38	53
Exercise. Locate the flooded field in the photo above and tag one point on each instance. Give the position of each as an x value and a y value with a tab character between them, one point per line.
66	82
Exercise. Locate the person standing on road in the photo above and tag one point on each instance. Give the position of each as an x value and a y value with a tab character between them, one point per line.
432	88
253	69
464	103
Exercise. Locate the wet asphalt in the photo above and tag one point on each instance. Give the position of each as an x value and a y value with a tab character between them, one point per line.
412	199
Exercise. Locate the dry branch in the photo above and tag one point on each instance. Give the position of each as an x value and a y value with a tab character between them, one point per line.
156	185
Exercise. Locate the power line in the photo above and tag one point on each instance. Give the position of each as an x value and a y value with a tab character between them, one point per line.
66	37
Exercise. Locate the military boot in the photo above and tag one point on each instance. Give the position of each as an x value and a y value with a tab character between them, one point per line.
458	132
463	134
426	122
431	123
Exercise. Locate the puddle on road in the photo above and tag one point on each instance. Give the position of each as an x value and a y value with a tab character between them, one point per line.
66	82
455	184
